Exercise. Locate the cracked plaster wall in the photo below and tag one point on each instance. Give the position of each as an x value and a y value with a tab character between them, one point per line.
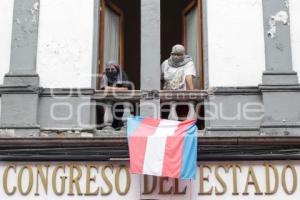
295	34
6	18
235	42
65	43
235	39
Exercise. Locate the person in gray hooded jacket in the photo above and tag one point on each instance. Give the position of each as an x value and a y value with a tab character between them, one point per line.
178	71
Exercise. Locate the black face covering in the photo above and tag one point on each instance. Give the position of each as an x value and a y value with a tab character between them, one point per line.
112	76
175	61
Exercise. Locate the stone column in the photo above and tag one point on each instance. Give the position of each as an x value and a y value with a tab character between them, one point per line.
280	89
279	69
21	84
150	55
24	44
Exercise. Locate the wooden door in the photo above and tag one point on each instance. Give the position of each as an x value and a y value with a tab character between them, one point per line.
192	38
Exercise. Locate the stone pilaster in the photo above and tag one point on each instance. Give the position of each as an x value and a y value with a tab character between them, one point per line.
150	55
280	89
20	92
279	69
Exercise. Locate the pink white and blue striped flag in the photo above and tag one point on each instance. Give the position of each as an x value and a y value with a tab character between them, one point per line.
161	147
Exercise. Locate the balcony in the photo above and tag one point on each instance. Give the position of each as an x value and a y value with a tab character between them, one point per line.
174	105
108	144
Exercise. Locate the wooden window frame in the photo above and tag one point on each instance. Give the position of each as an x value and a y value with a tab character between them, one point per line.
186	10
104	4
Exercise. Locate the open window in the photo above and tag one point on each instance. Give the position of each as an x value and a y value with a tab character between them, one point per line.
111	34
181	23
120	36
119	39
192	37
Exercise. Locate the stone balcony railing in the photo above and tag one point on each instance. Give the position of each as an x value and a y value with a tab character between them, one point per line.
170	101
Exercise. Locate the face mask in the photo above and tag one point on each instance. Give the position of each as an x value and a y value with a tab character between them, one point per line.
111	74
177	59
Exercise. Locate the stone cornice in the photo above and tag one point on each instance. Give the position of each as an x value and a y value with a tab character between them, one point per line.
115	148
22	89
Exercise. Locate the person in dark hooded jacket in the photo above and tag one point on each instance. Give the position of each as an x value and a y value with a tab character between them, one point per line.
115	79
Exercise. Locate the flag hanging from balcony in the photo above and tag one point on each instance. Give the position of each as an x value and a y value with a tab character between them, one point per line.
161	147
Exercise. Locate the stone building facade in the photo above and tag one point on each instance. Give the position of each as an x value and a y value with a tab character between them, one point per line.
249	64
247	100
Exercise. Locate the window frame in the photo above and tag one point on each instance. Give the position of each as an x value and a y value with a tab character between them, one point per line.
103	5
186	10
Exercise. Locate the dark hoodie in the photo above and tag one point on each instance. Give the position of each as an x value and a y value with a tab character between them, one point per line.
117	79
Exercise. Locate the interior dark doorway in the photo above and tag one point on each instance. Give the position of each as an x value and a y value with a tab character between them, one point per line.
120	36
120	30
181	23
